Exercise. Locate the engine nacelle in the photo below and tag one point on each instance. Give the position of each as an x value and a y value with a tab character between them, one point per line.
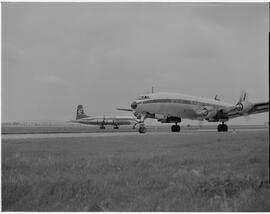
244	107
99	121
163	120
160	117
207	112
110	121
169	120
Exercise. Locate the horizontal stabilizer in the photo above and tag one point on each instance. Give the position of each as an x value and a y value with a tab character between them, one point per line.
256	108
72	121
260	107
124	109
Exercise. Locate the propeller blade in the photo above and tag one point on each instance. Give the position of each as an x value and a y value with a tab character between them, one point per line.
242	97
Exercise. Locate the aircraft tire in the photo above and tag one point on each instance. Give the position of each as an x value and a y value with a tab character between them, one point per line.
220	128
142	129
175	128
102	127
116	127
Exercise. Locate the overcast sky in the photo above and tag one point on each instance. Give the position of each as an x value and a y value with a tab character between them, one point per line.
103	55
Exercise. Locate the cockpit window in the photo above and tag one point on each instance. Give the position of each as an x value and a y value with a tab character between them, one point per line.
143	97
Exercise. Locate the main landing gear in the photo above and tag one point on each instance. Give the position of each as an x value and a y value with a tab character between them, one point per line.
222	127
116	127
175	128
102	127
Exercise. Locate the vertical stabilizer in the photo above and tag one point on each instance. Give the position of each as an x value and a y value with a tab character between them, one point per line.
80	112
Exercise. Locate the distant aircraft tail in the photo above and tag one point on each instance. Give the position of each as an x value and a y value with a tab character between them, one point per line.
80	112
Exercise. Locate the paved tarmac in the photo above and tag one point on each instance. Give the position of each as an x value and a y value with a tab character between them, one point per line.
111	134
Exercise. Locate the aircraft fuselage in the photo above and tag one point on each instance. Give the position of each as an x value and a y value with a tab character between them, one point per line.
107	120
176	105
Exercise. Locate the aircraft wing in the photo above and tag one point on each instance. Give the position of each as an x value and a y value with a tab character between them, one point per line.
256	108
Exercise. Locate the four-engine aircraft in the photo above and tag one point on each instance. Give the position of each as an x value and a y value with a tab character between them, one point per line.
115	121
173	107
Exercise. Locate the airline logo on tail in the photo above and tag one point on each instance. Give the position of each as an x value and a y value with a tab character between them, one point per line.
80	113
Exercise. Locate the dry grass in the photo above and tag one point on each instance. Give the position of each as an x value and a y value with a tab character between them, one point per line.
200	172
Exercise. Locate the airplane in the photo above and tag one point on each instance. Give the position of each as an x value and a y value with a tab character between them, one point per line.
173	107
116	121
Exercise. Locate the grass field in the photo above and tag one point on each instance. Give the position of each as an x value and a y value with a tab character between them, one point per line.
170	172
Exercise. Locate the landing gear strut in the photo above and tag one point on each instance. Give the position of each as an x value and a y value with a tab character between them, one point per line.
222	127
115	127
102	127
175	128
142	128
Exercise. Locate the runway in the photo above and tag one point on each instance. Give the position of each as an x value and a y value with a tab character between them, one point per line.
114	134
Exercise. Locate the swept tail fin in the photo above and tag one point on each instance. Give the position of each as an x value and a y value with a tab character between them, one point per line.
80	112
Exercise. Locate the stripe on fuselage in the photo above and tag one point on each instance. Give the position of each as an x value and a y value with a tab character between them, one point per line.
181	101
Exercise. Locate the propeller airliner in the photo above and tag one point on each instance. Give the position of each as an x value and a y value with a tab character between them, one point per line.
173	107
115	121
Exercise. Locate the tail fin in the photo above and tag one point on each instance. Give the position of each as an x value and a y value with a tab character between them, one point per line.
80	112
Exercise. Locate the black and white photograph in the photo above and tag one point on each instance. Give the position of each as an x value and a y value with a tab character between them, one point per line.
135	107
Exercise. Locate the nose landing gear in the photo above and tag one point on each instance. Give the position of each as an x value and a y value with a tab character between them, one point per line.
142	129
222	127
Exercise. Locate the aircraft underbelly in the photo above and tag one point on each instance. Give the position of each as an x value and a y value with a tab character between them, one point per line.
172	109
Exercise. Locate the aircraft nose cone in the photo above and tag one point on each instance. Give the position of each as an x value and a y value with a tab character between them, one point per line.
133	105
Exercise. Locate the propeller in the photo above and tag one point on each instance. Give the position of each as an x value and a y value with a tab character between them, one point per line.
243	97
216	98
